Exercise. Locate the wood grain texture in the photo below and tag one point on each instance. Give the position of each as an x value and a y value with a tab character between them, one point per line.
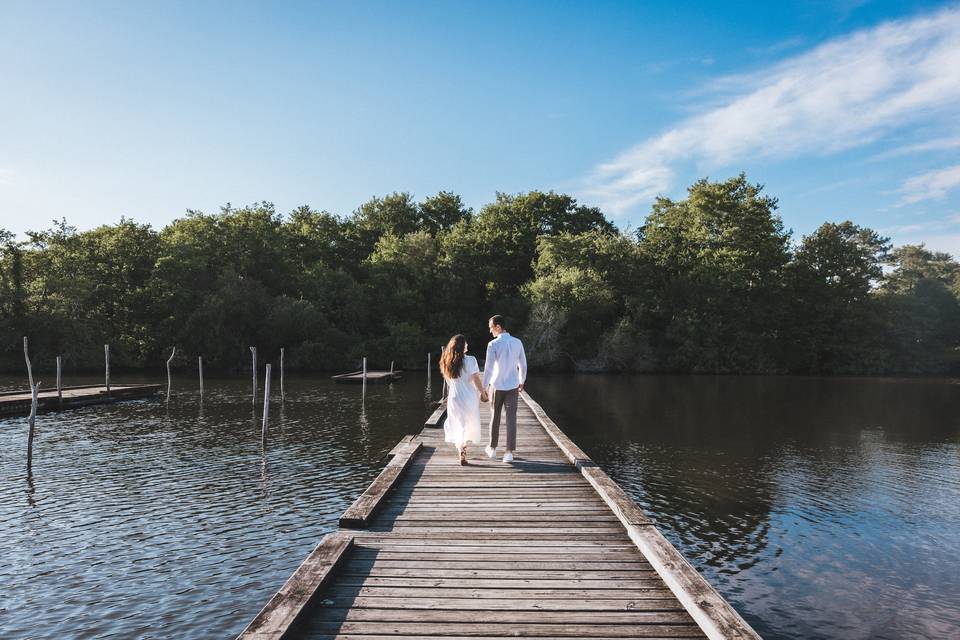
547	546
280	615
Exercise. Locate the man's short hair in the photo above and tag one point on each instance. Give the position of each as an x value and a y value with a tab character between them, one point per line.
498	321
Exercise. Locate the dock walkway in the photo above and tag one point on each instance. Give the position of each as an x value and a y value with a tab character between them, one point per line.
17	403
547	546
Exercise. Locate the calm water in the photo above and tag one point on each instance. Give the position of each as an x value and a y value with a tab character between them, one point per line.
822	508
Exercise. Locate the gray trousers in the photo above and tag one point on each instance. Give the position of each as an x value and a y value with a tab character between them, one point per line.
501	398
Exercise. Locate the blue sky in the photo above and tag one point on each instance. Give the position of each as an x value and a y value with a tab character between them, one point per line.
844	110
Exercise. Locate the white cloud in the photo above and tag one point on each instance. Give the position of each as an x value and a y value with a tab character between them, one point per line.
930	186
6	177
939	144
845	93
950	222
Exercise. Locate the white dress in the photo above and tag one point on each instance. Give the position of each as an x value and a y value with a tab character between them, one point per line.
463	406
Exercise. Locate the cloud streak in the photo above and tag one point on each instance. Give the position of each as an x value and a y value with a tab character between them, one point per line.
845	93
932	185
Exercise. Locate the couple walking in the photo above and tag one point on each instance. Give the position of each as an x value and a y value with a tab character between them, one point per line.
504	372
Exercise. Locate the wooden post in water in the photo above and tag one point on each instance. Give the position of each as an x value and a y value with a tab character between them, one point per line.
391	369
200	367
59	384
428	370
283	393
266	406
253	351
34	390
26	356
443	394
169	378
106	363
364	374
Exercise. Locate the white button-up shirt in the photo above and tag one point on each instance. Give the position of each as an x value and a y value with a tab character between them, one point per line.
506	364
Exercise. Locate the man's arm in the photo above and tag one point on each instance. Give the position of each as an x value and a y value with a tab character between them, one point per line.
522	366
488	364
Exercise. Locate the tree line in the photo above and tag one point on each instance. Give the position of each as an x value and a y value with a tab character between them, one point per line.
709	283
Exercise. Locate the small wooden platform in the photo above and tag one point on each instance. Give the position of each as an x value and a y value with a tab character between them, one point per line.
373	377
17	403
545	547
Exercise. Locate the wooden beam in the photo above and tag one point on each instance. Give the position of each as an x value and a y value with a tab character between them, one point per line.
437	417
359	514
286	607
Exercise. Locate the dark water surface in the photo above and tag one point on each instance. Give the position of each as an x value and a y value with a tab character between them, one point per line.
822	508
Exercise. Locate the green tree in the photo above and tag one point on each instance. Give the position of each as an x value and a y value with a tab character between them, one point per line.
713	300
835	326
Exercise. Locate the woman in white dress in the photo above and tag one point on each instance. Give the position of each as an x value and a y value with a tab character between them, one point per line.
465	391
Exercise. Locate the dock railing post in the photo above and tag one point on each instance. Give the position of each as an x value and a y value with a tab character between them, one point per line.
34	390
59	385
200	368
169	377
106	364
283	392
266	405
26	357
253	352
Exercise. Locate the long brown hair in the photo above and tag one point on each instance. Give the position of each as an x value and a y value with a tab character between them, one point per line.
451	362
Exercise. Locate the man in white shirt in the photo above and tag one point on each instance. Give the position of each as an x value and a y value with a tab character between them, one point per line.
505	369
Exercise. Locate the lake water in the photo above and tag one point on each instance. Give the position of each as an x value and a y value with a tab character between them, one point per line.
821	508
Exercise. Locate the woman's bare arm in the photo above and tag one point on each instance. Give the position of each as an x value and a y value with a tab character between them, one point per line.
478	383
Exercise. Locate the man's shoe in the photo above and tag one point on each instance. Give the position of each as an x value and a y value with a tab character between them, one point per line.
508	456
491	452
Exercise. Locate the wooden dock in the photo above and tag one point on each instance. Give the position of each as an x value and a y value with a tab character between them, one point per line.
373	377
547	546
17	403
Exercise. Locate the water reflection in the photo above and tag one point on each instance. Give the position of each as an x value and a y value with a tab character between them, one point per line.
144	498
823	508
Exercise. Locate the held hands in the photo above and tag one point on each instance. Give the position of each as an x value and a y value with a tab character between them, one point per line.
484	397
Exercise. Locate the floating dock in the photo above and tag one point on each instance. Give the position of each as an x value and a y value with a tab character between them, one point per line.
547	546
373	377
17	403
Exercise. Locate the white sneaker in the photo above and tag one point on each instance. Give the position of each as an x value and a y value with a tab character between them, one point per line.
508	456
491	452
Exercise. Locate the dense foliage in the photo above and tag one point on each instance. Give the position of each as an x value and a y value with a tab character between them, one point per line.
711	283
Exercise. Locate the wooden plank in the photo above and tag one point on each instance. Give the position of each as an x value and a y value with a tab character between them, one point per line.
428	594
497	629
504	604
708	608
437	417
431	615
286	607
362	510
574	454
500	583
399	446
622	505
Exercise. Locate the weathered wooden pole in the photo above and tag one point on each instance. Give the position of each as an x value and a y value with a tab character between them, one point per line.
443	394
59	384
169	378
253	351
266	405
200	368
106	363
34	390
428	369
391	368
26	356
283	393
